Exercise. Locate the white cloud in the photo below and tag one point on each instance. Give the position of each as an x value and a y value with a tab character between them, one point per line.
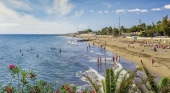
100	12
11	22
106	11
91	11
108	5
61	7
138	10
167	6
54	7
156	9
79	13
120	11
18	4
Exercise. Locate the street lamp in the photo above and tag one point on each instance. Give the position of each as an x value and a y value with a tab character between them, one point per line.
119	26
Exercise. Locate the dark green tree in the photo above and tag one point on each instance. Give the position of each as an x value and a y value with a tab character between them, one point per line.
165	26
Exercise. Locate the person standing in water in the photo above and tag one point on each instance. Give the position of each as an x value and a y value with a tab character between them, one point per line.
119	59
105	61
113	58
60	51
98	60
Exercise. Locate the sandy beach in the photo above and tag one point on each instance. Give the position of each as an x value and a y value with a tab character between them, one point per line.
133	51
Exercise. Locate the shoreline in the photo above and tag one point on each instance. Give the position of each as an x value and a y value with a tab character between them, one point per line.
160	68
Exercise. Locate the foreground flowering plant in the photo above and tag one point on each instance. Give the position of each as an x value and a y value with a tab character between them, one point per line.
67	88
27	83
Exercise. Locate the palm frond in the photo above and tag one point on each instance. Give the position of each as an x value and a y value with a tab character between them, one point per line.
165	81
152	82
165	89
121	83
139	85
95	87
107	79
104	85
112	80
118	74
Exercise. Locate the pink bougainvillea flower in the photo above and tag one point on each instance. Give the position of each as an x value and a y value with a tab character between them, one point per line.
92	91
67	87
71	91
11	66
8	89
32	75
56	91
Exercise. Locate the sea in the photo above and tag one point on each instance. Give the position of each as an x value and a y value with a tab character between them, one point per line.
40	53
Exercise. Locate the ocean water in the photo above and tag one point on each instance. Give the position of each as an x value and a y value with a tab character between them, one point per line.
50	65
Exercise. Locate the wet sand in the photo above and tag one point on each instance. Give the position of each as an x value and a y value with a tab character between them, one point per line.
134	53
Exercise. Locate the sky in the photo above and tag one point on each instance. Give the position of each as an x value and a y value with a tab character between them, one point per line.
70	16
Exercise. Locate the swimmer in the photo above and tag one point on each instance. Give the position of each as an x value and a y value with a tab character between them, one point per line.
37	55
60	50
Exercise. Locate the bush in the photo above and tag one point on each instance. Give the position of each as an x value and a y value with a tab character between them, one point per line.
26	83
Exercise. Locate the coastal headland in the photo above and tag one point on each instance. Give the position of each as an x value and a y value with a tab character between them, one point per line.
137	51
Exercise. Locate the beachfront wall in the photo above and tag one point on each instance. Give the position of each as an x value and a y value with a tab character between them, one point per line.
87	34
158	38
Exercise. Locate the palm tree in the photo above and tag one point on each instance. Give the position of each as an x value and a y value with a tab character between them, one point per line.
114	84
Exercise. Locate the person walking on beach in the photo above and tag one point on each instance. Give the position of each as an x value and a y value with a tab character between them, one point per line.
152	61
119	59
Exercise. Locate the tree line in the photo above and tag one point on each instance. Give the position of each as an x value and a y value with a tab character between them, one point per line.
160	28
